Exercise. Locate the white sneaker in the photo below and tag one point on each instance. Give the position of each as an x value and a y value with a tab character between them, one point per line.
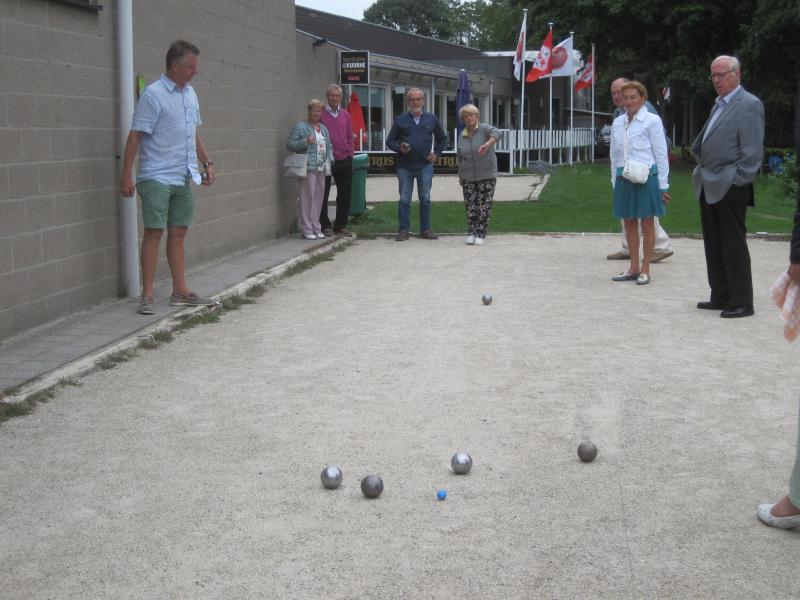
479	241
320	236
309	236
470	240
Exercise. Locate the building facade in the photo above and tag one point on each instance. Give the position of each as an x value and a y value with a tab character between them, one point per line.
60	143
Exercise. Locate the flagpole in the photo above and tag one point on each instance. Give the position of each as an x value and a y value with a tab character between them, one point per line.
571	100
522	83
594	76
551	106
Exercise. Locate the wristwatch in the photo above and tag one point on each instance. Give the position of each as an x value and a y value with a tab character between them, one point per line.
206	164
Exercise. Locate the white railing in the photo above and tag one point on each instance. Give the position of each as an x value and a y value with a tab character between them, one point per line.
557	146
543	139
565	145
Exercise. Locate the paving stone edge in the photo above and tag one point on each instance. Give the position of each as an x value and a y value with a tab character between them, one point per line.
88	362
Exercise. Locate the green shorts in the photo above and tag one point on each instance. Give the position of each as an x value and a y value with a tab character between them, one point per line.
166	205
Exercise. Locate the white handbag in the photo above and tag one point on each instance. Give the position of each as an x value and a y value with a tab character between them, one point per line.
633	170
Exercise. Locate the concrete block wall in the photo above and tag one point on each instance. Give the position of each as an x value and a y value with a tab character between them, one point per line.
58	227
246	86
320	66
59	233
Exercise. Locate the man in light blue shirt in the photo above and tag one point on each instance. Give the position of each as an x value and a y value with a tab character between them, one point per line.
164	135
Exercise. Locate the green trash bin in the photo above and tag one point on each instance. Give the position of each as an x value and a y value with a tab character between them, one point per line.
358	191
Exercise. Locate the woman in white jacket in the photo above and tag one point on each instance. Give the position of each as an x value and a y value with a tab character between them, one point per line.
638	136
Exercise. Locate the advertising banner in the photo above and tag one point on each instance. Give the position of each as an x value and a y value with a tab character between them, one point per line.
354	68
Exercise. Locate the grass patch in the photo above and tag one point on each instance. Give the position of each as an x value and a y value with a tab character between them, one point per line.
370	217
162	336
112	360
44	395
155	339
202	318
12	391
578	199
256	291
235	301
305	265
148	343
9	410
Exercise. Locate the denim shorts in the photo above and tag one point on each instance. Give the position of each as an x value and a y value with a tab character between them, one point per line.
166	205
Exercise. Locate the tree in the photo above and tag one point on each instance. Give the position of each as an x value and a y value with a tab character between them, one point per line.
662	42
432	18
497	24
771	64
658	42
453	21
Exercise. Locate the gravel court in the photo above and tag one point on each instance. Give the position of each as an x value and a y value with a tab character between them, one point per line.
193	470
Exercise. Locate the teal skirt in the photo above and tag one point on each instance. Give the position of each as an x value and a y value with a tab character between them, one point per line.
638	200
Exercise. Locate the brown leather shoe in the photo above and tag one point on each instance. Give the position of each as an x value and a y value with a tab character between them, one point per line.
621	255
343	232
659	255
428	235
402	236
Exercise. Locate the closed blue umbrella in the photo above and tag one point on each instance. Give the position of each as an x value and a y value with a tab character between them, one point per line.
463	97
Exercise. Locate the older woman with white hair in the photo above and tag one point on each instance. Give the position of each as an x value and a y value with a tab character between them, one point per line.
311	137
477	171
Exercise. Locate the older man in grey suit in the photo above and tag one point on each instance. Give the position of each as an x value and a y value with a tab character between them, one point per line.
729	151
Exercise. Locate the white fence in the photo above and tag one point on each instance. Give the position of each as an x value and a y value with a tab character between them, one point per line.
555	146
566	145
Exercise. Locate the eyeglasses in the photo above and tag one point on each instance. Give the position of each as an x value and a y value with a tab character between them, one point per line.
715	76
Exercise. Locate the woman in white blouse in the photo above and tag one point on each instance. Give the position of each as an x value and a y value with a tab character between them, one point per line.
638	135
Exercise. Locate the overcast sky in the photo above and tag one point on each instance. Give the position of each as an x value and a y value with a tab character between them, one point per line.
347	8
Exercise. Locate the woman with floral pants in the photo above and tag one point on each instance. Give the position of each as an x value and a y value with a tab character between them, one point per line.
477	171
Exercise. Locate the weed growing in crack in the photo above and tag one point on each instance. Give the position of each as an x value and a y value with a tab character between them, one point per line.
112	360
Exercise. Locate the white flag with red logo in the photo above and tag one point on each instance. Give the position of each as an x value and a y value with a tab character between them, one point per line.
562	59
586	76
519	63
543	63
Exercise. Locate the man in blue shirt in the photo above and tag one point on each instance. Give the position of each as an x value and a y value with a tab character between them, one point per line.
164	135
418	138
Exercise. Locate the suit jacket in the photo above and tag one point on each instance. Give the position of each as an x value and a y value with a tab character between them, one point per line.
733	151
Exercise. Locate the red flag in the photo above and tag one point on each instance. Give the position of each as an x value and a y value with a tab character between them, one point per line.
543	63
518	56
586	76
357	120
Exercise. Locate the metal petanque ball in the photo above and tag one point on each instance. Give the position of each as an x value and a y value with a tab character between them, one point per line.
371	486
331	477
587	451
487	299
461	463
